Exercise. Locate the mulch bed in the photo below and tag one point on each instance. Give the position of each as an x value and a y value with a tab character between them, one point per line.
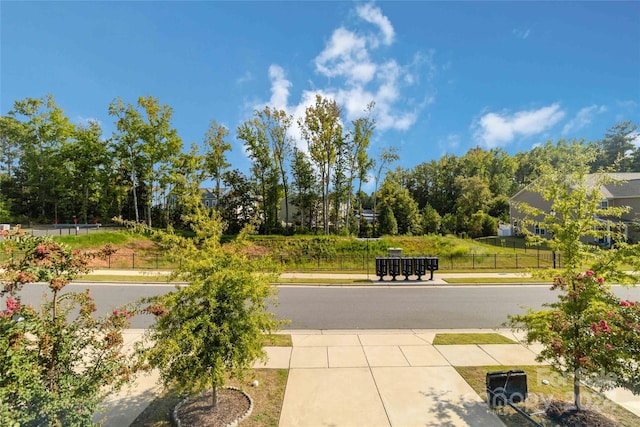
197	411
565	414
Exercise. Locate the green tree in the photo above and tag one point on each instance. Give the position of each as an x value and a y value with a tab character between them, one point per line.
388	224
387	157
616	148
306	196
474	196
89	165
322	129
58	363
43	130
214	326
431	220
405	209
186	174
145	144
215	159
277	124
359	163
265	173
238	204
588	332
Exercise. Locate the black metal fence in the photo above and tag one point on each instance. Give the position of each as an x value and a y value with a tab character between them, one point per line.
354	263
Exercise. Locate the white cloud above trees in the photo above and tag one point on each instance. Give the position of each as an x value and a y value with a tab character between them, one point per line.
583	118
498	129
355	76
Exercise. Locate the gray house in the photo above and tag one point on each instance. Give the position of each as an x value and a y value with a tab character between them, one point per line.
624	191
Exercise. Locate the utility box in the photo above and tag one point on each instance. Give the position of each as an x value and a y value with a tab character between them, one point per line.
506	386
394	252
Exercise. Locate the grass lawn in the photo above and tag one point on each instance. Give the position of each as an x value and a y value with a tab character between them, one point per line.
267	396
278	340
559	388
126	278
267	401
483	338
494	280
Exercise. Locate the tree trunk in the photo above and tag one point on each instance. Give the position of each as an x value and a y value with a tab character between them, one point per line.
576	389
135	196
214	398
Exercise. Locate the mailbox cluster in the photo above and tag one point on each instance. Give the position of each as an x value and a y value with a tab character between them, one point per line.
405	266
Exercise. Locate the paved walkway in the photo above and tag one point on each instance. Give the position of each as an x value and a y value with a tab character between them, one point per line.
356	378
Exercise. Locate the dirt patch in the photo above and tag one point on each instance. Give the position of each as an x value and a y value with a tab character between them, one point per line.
198	411
256	251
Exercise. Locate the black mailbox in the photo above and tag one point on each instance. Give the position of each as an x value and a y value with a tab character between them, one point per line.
506	386
394	267
420	267
407	267
432	265
381	267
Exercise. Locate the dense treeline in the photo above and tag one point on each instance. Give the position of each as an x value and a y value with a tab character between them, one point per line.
52	170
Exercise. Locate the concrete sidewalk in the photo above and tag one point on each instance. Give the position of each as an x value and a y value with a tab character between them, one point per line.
368	378
357	378
384	378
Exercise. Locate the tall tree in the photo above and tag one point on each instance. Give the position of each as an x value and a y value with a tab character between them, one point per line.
10	137
305	194
617	147
146	143
359	163
45	129
387	157
321	128
277	124
254	134
404	208
215	149
89	163
186	174
238	204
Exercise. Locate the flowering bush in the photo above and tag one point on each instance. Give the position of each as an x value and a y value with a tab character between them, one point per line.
588	332
59	363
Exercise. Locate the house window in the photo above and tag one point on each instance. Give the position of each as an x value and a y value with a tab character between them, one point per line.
538	230
604	204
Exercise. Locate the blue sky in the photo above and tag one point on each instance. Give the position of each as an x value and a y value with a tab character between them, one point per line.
445	76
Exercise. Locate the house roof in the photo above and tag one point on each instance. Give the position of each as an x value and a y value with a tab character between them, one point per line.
625	185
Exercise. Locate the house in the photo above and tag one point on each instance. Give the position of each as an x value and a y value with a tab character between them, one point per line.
208	197
623	191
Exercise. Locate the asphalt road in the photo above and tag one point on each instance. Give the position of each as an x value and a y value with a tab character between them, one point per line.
330	307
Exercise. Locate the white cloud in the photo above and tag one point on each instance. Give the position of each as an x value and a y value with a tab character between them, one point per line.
373	15
279	87
355	77
346	55
246	77
495	129
583	118
521	33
